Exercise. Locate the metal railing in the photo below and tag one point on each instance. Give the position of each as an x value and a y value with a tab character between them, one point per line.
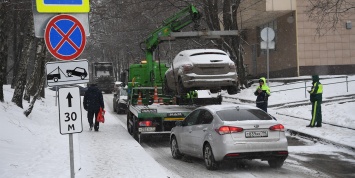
305	84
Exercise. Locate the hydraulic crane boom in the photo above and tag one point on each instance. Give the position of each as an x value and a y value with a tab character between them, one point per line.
174	23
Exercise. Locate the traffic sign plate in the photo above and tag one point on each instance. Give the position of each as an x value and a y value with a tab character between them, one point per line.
267	34
70	116
65	37
67	72
63	6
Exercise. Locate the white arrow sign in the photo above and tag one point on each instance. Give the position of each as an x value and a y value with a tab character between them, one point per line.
70	117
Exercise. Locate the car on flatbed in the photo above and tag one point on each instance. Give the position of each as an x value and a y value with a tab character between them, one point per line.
229	132
201	69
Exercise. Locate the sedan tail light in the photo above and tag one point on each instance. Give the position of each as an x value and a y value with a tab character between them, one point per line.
145	123
187	67
278	127
228	129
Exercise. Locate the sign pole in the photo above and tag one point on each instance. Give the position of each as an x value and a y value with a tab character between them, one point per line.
71	152
267	56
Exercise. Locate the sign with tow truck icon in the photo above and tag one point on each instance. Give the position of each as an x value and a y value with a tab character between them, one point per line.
67	72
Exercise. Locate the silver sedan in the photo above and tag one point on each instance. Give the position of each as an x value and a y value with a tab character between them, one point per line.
224	132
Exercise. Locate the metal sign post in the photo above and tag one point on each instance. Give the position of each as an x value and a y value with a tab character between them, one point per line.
70	118
267	34
65	38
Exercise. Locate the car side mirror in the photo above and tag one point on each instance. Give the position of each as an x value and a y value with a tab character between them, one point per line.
178	123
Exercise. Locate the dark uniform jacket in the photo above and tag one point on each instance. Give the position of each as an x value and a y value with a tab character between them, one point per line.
264	95
93	99
317	89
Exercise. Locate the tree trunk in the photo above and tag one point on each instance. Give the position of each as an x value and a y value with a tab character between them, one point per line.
34	99
36	75
3	46
17	41
22	72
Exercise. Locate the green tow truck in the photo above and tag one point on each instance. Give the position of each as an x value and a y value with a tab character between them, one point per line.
146	116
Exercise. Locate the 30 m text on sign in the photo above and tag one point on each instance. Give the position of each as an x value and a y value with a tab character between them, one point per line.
70	115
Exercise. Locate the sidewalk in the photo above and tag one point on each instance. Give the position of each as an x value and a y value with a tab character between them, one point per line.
332	134
112	152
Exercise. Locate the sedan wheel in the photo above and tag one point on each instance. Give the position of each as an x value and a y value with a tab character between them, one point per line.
276	162
69	74
175	149
210	163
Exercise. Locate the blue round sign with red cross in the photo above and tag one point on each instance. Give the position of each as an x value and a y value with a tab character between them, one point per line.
65	37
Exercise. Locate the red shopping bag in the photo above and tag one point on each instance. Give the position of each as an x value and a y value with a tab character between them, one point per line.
101	116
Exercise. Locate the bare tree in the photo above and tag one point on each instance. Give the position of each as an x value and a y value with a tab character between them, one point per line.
4	9
38	70
328	13
232	44
22	70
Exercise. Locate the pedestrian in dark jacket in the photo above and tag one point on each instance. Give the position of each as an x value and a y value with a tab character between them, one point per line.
262	92
316	93
93	100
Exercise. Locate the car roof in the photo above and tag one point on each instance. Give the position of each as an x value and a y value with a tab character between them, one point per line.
216	108
195	51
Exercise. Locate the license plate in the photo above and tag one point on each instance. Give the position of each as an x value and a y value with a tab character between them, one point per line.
255	134
146	129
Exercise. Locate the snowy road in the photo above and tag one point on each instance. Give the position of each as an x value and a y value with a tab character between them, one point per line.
306	159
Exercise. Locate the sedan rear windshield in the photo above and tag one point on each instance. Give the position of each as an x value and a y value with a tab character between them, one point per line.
243	115
204	53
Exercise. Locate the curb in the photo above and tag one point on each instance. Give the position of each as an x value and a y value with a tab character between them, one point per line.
312	137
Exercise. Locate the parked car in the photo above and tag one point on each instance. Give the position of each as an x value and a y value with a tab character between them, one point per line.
201	69
78	71
117	85
120	100
225	132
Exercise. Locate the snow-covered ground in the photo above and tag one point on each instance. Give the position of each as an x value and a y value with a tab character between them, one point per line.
33	146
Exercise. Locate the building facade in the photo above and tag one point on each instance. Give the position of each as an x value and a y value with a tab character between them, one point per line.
299	50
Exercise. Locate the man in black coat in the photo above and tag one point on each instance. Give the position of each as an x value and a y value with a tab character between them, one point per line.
93	100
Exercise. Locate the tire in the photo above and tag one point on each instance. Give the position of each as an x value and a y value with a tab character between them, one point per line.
210	162
175	148
276	162
55	79
167	90
69	74
114	106
214	90
232	90
129	127
82	77
181	88
135	129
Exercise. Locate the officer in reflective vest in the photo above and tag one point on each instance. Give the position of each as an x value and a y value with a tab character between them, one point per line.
191	95
316	100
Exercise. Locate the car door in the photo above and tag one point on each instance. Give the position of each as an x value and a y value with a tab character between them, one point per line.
185	137
200	130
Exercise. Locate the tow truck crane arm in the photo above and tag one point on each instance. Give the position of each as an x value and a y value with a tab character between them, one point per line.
174	23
